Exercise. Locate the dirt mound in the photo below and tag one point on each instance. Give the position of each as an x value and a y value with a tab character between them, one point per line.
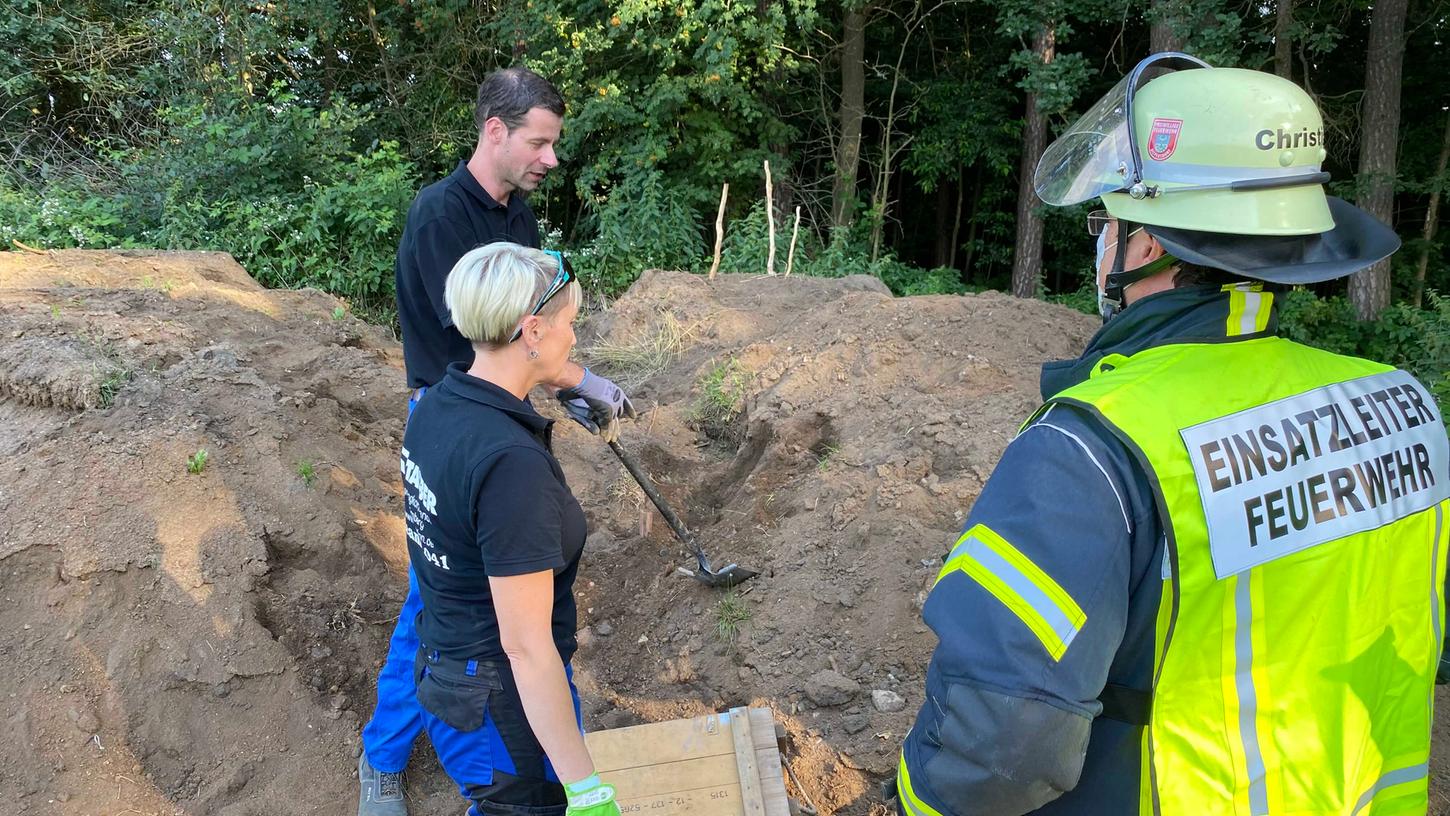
182	642
206	642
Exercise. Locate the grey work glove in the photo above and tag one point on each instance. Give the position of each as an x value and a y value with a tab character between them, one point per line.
598	405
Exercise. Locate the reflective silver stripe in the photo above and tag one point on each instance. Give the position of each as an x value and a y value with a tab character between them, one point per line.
1438	643
910	808
1122	506
1435	584
1249	320
1248	702
1396	777
905	791
1180	173
1008	573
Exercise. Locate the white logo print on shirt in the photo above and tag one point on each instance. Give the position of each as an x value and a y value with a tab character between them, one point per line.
420	499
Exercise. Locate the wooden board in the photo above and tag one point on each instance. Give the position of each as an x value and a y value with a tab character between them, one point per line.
718	765
751	799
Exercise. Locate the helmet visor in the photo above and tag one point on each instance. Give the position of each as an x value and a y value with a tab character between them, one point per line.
1097	154
1092	158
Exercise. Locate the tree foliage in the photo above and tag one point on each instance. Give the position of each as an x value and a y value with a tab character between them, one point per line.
294	133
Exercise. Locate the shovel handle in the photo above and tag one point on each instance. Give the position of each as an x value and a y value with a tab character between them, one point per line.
659	501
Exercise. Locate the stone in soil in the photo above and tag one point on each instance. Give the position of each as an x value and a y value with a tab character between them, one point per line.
831	688
887	701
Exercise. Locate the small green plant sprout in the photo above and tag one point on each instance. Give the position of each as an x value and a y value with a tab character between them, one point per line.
306	472
196	462
148	282
722	392
55	311
826	455
338	313
730	612
111	385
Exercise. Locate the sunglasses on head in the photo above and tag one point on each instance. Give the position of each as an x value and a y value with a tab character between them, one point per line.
562	278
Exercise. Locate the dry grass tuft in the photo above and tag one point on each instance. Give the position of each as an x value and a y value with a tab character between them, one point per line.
624	492
632	362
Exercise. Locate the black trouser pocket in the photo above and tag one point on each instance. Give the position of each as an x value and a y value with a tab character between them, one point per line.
455	692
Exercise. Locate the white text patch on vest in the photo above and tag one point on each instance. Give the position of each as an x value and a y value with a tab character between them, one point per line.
1317	466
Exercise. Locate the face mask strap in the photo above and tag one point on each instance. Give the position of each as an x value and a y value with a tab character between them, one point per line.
1119	279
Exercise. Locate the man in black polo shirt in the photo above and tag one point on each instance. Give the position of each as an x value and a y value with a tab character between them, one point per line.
519	116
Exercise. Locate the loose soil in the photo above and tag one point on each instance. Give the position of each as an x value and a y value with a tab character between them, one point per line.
206	643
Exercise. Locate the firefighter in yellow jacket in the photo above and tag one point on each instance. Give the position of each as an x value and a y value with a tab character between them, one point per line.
1207	577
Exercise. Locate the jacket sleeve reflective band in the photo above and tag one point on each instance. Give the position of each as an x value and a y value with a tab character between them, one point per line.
1037	600
913	805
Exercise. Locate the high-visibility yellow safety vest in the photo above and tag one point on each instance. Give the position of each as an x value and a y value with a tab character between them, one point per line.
1304	496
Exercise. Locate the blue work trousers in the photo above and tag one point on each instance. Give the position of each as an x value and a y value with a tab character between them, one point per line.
476	722
398	720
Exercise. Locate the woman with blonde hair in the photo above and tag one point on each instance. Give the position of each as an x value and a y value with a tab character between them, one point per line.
495	536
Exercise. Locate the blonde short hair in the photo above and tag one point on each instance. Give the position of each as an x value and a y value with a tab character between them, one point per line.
494	286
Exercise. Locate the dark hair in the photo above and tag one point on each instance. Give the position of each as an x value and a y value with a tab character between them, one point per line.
510	93
1190	274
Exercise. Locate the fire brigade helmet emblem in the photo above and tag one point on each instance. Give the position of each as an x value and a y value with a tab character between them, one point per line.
1163	138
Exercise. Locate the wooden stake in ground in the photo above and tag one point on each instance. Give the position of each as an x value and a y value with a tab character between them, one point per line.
769	220
794	231
719	229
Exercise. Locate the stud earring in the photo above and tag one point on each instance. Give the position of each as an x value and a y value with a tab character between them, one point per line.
533	354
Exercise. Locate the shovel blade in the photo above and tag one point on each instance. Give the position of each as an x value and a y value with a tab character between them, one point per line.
725	577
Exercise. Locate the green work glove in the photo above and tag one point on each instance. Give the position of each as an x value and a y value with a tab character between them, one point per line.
591	797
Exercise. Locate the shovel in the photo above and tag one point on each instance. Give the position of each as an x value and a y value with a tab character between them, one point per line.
727	576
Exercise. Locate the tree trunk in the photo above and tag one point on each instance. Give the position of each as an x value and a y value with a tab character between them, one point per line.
1369	289
1027	256
943	228
1283	45
382	53
785	183
971	242
1432	218
853	111
881	197
1161	36
956	224
784	180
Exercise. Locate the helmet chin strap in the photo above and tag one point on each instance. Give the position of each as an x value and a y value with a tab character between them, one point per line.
1119	279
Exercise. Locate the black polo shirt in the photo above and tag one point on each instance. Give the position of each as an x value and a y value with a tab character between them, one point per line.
484	496
448	218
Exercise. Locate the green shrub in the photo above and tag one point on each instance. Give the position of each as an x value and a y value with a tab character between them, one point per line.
848	252
1084	300
643	224
338	234
281	187
1417	340
905	279
62	214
